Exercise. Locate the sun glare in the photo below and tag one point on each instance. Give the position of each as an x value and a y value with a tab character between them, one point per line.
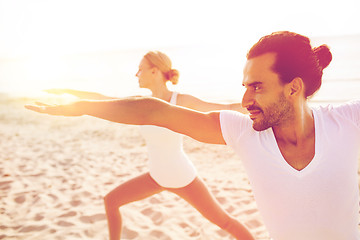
42	72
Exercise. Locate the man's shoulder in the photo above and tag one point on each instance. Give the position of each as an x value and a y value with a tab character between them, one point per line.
231	116
349	111
353	105
235	123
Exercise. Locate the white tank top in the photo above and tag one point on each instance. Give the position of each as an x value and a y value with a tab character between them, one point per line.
169	166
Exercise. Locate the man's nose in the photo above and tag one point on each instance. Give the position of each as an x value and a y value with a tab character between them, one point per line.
247	99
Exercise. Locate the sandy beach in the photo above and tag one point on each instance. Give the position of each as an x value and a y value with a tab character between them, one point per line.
55	172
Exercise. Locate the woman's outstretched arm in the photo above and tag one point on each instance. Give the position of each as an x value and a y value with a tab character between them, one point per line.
195	103
79	94
204	127
185	100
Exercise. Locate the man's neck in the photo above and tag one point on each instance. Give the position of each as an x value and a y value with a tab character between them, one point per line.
296	139
299	128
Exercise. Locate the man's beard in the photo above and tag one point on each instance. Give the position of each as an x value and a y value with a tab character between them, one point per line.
273	115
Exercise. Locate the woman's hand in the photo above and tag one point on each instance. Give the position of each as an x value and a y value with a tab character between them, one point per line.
79	94
57	91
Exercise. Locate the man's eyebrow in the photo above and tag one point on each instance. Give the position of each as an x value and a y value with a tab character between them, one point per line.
252	84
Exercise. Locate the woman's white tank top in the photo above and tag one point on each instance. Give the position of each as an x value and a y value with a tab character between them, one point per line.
169	166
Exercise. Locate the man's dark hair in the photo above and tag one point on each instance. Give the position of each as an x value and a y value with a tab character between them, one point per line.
294	58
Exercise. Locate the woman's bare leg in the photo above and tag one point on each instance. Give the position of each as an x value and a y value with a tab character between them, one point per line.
133	190
197	194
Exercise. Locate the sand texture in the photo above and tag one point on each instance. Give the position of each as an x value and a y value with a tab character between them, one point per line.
55	171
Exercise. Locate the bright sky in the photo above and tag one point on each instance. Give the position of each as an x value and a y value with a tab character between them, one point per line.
44	27
38	33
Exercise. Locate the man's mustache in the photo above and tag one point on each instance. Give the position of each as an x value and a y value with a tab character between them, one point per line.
251	108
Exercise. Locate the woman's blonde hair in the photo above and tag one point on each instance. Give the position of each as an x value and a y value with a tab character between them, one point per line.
163	63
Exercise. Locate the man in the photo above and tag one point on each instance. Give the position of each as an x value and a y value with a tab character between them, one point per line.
301	162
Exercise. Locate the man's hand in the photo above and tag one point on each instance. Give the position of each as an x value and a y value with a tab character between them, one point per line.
70	110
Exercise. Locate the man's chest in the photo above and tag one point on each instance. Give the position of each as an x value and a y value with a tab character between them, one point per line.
300	155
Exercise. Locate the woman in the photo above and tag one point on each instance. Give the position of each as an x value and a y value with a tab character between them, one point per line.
169	167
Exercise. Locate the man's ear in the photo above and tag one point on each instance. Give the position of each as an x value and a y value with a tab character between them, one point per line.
296	87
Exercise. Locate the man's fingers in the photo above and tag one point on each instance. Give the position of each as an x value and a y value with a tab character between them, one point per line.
39	109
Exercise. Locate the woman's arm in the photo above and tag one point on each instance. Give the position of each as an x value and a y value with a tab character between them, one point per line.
79	94
204	127
184	100
192	102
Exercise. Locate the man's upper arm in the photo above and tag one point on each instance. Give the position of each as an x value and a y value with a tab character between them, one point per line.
204	127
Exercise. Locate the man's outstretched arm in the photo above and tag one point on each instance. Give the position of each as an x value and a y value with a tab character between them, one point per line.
204	127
